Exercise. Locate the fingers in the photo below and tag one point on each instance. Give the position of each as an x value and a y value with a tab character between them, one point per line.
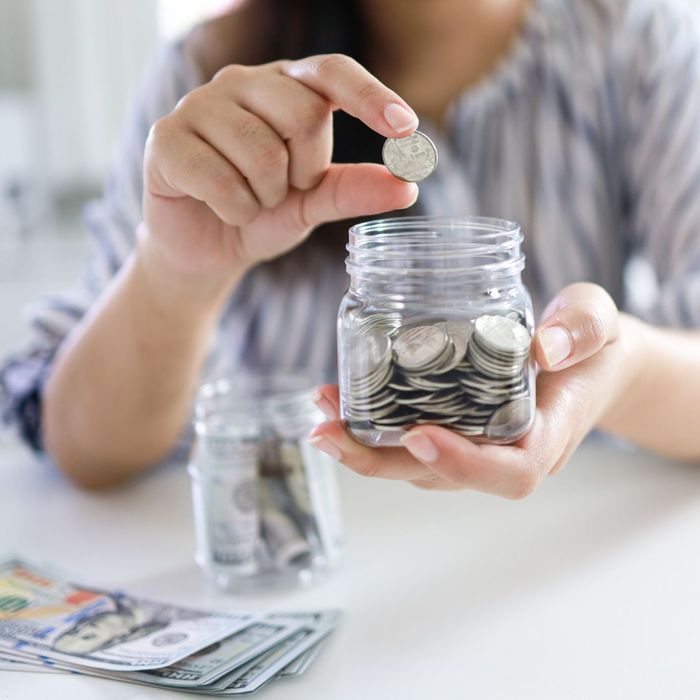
349	190
452	462
580	321
185	165
350	87
387	463
327	399
502	470
250	145
301	117
436	458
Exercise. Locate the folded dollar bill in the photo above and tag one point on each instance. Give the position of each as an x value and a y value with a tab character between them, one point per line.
50	624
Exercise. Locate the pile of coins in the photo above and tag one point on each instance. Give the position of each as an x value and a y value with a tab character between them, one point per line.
470	377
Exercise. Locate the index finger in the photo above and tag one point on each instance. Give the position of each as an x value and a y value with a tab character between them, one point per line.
352	88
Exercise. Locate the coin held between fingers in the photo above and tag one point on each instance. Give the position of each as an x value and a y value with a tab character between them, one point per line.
411	158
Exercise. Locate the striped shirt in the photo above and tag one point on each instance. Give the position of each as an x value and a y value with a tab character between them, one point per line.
588	134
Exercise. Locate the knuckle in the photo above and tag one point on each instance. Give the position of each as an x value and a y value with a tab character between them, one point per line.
272	159
328	65
591	329
246	202
304	178
159	134
193	101
196	162
247	208
228	189
224	186
245	126
313	114
372	92
596	327
231	73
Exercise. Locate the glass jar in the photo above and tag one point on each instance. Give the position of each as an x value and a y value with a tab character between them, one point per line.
266	503
436	328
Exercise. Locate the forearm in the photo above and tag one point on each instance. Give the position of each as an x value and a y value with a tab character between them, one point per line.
656	402
121	389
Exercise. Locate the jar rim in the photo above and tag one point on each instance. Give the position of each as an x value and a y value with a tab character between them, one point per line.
254	397
488	226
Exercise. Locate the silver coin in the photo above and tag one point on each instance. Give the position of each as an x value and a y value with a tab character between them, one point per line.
469	429
410	399
373	383
502	334
367	354
411	158
406	419
509	419
371	415
437	420
430	385
384	323
403	387
459	349
420	346
383	399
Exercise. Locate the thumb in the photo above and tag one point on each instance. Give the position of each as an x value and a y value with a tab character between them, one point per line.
349	190
576	324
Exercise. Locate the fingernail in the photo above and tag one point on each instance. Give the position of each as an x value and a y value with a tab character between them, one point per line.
323	404
556	344
399	118
421	447
415	195
326	446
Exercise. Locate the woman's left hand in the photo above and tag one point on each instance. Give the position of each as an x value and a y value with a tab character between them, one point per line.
579	348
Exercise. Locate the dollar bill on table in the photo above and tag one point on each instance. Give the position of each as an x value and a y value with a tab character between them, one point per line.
54	625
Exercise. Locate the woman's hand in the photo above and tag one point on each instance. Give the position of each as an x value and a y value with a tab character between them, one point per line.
580	349
240	171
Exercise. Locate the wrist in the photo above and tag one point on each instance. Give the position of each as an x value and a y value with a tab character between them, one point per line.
173	286
633	369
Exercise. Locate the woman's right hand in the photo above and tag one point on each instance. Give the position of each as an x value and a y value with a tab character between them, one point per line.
240	171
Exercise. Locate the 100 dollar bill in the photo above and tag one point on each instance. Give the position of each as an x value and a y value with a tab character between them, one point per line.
44	616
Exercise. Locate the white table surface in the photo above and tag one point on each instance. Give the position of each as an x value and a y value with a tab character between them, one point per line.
590	588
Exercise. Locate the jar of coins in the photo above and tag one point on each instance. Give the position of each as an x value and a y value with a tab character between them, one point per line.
265	501
436	328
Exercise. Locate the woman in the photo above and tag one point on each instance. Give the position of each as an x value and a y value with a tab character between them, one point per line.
577	119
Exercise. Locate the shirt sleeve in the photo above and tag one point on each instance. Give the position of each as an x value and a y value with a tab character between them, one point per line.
111	222
658	91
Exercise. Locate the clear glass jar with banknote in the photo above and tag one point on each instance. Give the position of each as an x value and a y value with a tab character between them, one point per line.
266	503
436	328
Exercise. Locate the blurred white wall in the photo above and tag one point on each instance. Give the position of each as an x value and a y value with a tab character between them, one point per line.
67	71
88	55
15	49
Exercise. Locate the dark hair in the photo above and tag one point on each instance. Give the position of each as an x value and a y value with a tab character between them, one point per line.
309	27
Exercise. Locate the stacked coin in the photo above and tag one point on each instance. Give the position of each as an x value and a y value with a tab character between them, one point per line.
471	377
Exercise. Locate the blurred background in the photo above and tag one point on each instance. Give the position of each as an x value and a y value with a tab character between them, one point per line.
67	70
